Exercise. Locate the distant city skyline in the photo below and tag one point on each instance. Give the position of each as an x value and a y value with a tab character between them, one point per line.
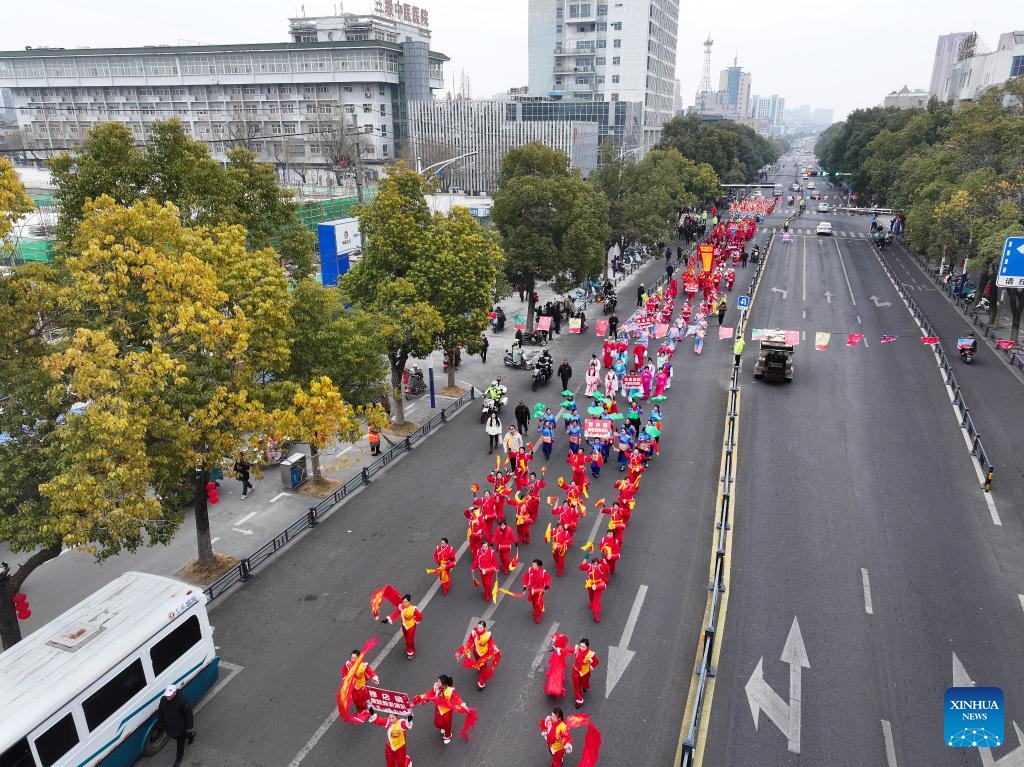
824	56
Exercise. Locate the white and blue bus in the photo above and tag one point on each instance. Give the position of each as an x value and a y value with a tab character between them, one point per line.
84	689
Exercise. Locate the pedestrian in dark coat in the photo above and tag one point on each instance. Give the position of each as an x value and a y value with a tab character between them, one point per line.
522	417
174	716
613	326
242	473
556	317
721	313
640	294
483	348
565	373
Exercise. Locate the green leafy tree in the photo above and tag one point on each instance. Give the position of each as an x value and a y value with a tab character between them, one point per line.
457	279
397	230
735	152
553	224
172	167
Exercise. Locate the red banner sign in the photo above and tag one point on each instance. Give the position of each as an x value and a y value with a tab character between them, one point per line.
601	327
543	323
389	701
707	255
632	382
595	428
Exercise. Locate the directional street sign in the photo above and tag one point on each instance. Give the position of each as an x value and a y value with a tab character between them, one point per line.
1011	265
743	302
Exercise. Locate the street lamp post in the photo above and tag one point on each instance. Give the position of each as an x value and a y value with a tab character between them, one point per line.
439	166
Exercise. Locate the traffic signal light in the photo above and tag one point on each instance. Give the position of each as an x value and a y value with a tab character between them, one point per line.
212	496
21	606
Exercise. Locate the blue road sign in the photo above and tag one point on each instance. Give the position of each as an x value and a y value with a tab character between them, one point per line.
1011	265
743	302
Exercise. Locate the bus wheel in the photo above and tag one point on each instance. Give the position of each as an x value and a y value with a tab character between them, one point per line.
155	740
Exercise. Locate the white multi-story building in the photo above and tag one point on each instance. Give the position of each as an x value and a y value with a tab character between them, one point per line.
606	51
905	98
486	130
766	114
312	107
978	70
945	57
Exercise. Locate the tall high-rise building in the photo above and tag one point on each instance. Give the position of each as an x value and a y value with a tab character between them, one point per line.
734	84
945	58
606	51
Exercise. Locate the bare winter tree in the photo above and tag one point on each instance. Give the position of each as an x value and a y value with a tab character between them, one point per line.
289	153
340	144
243	132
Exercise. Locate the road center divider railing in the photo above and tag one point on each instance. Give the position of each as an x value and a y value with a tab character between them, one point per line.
977	447
1014	355
694	729
316	514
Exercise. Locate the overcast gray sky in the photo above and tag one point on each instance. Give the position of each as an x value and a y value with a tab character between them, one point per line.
832	54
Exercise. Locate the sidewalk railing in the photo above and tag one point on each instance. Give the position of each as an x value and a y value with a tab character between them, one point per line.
316	514
966	421
1015	356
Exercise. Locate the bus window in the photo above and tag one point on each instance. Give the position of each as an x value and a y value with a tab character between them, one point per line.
175	644
57	741
105	702
17	755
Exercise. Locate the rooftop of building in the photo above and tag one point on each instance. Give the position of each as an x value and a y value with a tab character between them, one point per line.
175	49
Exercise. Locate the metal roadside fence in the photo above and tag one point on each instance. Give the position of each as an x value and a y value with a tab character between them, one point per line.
1015	356
977	446
316	514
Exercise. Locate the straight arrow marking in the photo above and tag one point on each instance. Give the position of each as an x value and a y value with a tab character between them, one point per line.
619	657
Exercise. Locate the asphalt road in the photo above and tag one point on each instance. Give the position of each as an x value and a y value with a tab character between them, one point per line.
292	627
858	515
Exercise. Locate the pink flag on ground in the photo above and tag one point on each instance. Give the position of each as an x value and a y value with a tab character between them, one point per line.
601	327
660	330
888	339
852	339
543	323
929	339
821	341
1004	344
724	333
791	337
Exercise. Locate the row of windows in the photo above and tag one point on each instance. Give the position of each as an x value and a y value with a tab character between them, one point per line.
110	698
1017	66
582	10
206	64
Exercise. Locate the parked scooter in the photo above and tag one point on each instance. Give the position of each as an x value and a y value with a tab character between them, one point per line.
413	383
515	359
610	303
531	338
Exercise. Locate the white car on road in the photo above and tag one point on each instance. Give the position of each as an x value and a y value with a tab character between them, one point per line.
825	228
823	207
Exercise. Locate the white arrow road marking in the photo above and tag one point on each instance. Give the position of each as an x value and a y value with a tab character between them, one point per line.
1021	596
245	519
240	530
279	496
620	657
879	304
867	591
828	296
1013	759
890	747
761	697
780	290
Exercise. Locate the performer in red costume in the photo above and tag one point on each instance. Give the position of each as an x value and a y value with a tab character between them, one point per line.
568	514
596	583
578	462
410	615
444	561
486	561
610	549
555	732
481	653
394	748
446	703
364	673
536	580
504	539
561	540
475	531
584	661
